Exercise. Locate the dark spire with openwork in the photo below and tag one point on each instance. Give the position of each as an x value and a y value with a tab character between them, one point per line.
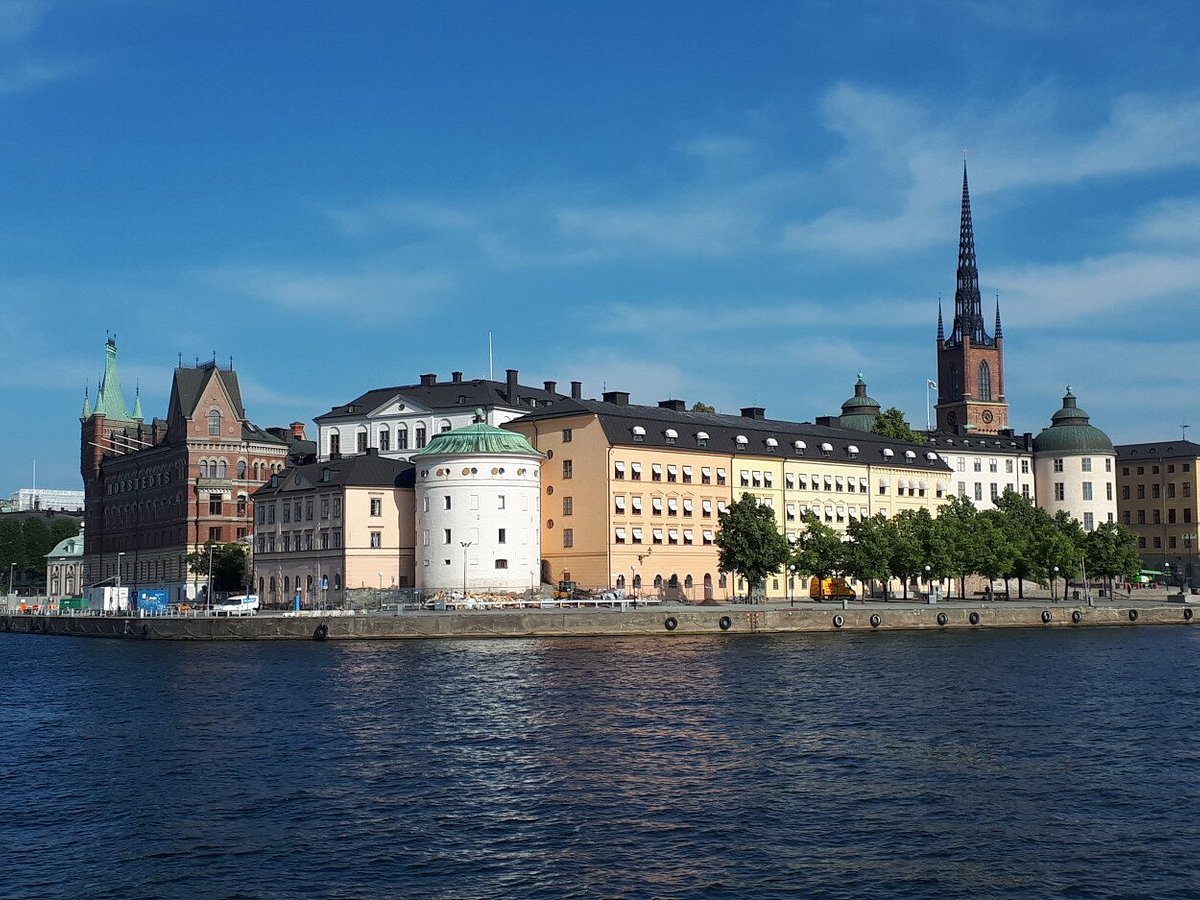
968	306
999	331
941	335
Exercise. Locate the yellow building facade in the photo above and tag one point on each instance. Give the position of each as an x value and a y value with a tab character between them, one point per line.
631	495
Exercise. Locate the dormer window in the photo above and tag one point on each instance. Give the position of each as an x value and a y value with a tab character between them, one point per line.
800	447
701	438
325	474
852	451
931	456
742	441
827	449
887	453
671	435
772	444
910	455
639	433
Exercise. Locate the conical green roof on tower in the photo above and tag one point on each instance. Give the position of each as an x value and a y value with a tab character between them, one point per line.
477	439
110	402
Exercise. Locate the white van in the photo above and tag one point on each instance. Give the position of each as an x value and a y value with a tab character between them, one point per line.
242	605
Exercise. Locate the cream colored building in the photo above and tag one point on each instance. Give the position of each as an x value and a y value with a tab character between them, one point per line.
1074	464
631	494
326	528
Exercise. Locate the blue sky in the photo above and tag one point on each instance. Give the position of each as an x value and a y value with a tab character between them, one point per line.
741	203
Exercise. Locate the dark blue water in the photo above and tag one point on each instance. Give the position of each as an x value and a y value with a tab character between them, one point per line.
1016	763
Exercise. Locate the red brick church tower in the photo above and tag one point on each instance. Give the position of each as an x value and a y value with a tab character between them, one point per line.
970	361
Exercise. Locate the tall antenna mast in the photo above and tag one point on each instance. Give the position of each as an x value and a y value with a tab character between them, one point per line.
489	356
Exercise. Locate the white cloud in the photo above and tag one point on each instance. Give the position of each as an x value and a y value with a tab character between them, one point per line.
1171	222
374	291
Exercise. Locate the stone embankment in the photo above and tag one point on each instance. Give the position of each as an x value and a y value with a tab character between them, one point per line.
662	621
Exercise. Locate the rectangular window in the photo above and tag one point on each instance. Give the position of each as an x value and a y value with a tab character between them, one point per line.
567	435
1171	543
1108	491
502	536
720	476
1059	491
1089	522
376	540
1126	517
568	506
655	472
672	473
1125	492
308	509
324	507
1107	464
1157	516
568	537
1171	516
706	475
502	564
687	474
618	470
1171	491
1008	467
977	464
500	502
214	534
1141	516
337	507
978	492
568	469
635	471
214	504
1087	490
360	441
447	503
376	506
992	465
385	441
962	464
1058	465
1025	491
446	536
1024	467
1155	492
962	489
1141	492
1085	465
1158	543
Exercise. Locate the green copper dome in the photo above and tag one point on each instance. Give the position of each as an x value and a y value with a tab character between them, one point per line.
1070	432
477	439
860	411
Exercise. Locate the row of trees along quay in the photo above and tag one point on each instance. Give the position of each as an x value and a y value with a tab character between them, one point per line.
1015	540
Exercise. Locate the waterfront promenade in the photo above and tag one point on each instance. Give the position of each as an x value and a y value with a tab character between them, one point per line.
1143	607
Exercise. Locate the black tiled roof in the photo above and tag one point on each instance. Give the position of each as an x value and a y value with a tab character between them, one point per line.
619	421
1158	450
443	395
189	386
364	470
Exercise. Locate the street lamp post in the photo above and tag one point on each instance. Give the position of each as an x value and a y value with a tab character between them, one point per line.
465	545
791	585
210	580
1054	586
928	580
12	574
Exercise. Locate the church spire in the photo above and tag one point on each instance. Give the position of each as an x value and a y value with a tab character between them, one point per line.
941	335
999	331
87	406
968	311
137	405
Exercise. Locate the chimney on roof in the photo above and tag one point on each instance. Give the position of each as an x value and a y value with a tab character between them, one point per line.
456	377
576	390
428	379
510	387
551	387
753	412
298	431
616	398
677	405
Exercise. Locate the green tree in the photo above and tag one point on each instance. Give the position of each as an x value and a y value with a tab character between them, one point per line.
38	543
996	552
228	565
1111	552
910	545
819	551
12	550
869	552
956	541
1018	521
749	542
700	407
62	528
891	423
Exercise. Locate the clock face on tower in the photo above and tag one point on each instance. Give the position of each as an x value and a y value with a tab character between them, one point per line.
988	416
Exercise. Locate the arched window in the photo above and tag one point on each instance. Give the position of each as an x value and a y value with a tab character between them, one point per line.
272	586
214	422
401	437
445	426
621	582
985	382
204	468
955	383
360	441
687	582
420	436
287	584
658	582
241	505
335	444
385	439
337	581
222	469
241	469
637	582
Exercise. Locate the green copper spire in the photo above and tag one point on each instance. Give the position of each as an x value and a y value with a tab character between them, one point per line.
87	406
137	406
110	403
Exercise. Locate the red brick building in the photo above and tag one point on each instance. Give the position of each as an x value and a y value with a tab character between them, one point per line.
156	491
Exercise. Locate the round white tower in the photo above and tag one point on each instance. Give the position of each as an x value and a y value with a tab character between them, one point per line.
477	496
